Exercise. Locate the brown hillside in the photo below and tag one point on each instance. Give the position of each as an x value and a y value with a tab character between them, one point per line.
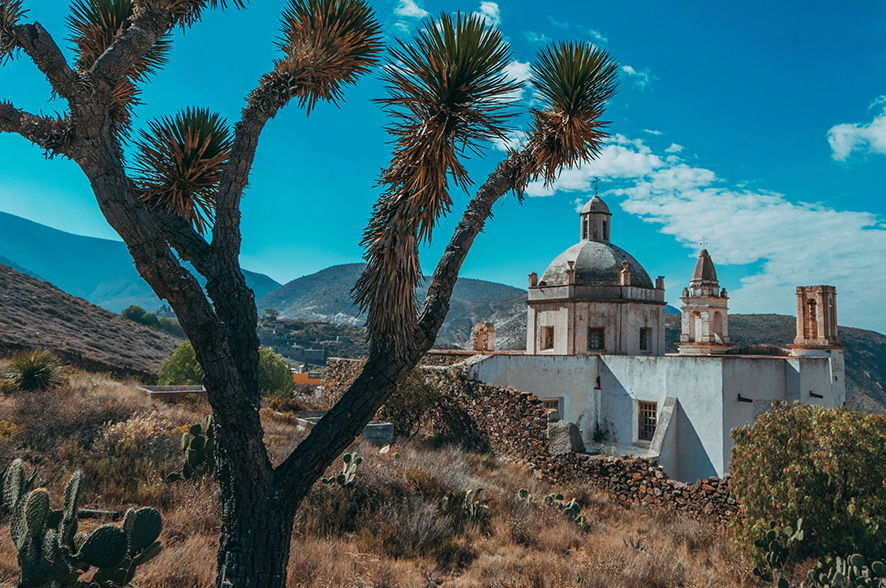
36	314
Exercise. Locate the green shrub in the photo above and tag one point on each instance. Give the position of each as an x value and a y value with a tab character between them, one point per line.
141	316
822	465
181	368
33	370
274	377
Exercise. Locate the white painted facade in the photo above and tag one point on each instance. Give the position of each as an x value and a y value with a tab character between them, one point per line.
629	397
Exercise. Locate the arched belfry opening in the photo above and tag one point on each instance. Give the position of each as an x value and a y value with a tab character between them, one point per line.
705	325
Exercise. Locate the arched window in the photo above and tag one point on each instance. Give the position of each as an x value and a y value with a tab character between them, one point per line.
718	323
605	235
810	325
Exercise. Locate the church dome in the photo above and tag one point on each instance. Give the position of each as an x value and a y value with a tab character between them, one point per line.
596	263
595	204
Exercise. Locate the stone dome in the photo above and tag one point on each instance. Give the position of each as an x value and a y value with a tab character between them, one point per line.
595	204
597	263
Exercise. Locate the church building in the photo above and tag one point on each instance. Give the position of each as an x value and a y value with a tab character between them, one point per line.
595	354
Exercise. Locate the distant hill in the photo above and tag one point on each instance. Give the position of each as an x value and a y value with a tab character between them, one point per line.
325	296
865	352
98	270
36	314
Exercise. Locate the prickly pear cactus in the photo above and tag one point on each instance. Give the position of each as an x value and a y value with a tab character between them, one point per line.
852	571
777	546
51	553
348	473
198	451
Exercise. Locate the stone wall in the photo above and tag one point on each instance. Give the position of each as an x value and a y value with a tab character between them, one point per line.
513	424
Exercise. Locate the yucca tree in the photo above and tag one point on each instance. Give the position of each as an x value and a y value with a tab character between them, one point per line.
178	198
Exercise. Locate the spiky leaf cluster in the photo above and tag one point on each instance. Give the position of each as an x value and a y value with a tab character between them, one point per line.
94	25
180	163
447	93
326	45
11	12
573	82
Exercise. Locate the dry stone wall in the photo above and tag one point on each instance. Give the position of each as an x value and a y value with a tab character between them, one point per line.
513	424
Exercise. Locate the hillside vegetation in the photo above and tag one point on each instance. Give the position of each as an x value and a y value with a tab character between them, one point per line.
404	522
37	314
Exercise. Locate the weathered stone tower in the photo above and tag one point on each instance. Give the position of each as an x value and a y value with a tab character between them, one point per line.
705	324
816	317
817	333
483	336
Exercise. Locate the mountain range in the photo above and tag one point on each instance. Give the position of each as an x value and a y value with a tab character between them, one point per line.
98	270
101	272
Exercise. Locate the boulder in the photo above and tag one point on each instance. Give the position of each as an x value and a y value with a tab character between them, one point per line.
565	438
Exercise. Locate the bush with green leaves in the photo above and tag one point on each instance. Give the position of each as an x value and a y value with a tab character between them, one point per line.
33	370
182	368
821	465
51	551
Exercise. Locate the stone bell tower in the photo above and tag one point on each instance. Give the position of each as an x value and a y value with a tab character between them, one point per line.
705	325
816	317
817	333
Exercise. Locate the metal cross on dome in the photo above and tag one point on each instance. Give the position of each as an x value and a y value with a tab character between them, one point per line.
704	242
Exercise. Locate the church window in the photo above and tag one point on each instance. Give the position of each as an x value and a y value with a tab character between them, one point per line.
646	411
645	338
603	236
547	338
596	338
584	228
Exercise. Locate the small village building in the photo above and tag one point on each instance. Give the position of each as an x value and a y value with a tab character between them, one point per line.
595	354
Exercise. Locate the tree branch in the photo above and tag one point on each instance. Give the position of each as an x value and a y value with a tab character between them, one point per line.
509	175
39	45
260	108
51	134
151	21
340	426
190	244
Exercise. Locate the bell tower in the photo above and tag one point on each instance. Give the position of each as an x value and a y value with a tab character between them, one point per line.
705	324
816	317
595	221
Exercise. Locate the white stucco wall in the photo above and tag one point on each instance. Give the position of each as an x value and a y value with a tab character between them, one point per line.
706	389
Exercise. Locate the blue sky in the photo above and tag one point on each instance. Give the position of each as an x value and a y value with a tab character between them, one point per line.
758	127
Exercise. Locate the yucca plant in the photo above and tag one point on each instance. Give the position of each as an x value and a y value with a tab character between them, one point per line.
447	94
33	370
180	164
94	25
11	11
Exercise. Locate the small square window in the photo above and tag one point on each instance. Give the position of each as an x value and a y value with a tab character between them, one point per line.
647	417
546	338
596	338
645	339
553	404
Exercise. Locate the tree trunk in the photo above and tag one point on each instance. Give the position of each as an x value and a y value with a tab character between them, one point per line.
255	539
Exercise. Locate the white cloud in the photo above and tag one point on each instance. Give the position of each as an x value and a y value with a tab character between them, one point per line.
491	12
674	148
846	138
788	243
520	71
620	158
641	78
596	35
410	9
653	132
534	37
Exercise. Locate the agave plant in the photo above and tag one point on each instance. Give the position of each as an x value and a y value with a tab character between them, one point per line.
33	370
447	93
180	163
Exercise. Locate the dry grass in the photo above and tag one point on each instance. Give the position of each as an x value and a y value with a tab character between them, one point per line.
402	525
